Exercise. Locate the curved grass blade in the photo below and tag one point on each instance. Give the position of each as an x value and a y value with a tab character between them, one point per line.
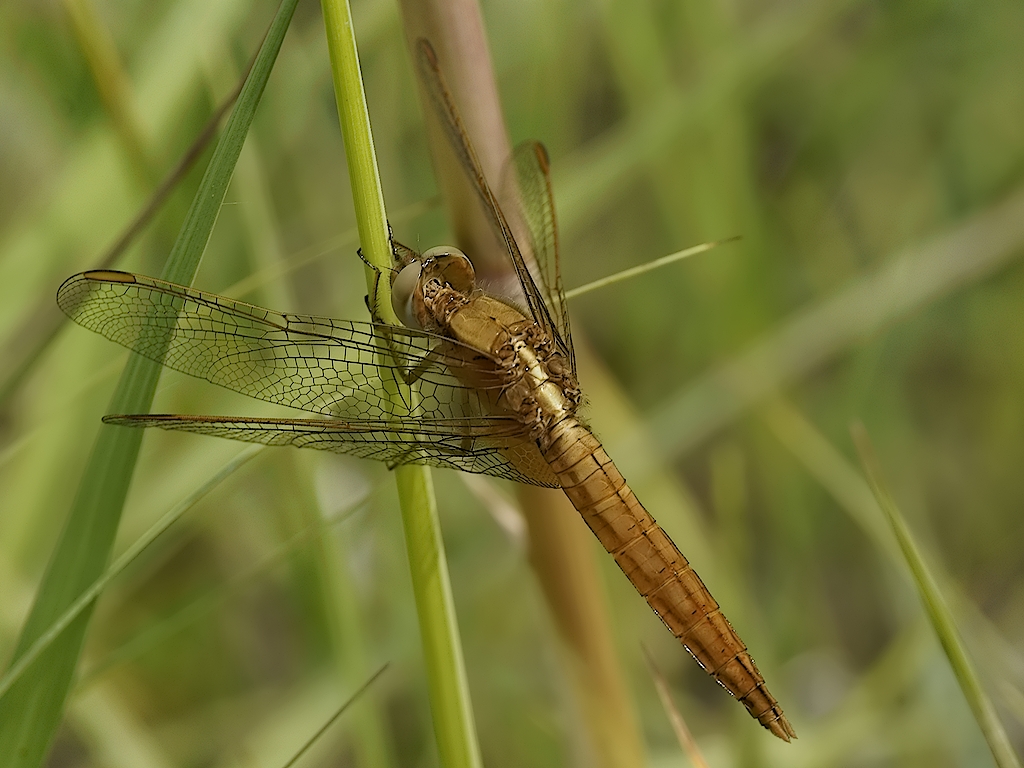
31	710
45	640
454	727
43	324
938	611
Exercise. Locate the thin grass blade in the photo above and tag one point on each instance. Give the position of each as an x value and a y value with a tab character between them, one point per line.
341	710
937	609
686	741
641	269
32	709
96	588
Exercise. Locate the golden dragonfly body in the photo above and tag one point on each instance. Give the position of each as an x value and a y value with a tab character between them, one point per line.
474	382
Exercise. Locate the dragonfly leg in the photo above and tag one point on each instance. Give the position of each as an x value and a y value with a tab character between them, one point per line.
399	258
467	440
414	373
431	360
371	306
408	455
398	251
403	256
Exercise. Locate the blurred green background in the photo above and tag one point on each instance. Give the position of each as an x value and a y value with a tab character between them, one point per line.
871	157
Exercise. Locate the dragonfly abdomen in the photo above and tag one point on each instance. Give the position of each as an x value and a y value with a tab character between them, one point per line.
656	567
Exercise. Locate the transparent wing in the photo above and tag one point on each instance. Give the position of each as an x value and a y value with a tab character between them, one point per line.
340	368
527	180
492	446
444	105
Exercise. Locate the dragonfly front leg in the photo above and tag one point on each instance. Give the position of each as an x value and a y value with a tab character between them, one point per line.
372	307
401	256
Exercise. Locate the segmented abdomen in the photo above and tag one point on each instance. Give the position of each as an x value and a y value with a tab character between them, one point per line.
656	567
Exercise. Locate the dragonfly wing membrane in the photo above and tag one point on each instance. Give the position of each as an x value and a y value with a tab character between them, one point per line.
338	368
444	106
526	183
492	446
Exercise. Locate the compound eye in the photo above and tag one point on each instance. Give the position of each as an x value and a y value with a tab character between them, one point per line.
403	289
442	251
452	266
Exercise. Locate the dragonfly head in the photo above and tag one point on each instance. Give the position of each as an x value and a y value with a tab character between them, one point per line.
447	265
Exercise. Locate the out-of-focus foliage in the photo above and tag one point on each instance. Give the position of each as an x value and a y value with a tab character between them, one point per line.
835	138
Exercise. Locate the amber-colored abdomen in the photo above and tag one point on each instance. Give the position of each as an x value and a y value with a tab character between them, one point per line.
658	570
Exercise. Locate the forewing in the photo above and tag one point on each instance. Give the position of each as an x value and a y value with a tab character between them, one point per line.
339	368
527	181
454	129
492	446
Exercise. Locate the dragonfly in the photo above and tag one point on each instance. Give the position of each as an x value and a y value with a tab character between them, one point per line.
472	381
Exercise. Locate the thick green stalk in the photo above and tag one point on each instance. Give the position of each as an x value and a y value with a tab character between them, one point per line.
454	728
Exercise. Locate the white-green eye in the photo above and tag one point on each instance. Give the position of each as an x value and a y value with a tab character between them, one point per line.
402	291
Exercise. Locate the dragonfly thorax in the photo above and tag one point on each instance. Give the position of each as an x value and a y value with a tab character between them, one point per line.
440	267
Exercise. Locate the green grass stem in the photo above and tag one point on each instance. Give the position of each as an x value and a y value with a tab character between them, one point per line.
627	274
454	727
32	708
45	640
938	611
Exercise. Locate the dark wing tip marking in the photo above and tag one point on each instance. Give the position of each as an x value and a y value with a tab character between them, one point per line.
543	159
108	275
69	297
